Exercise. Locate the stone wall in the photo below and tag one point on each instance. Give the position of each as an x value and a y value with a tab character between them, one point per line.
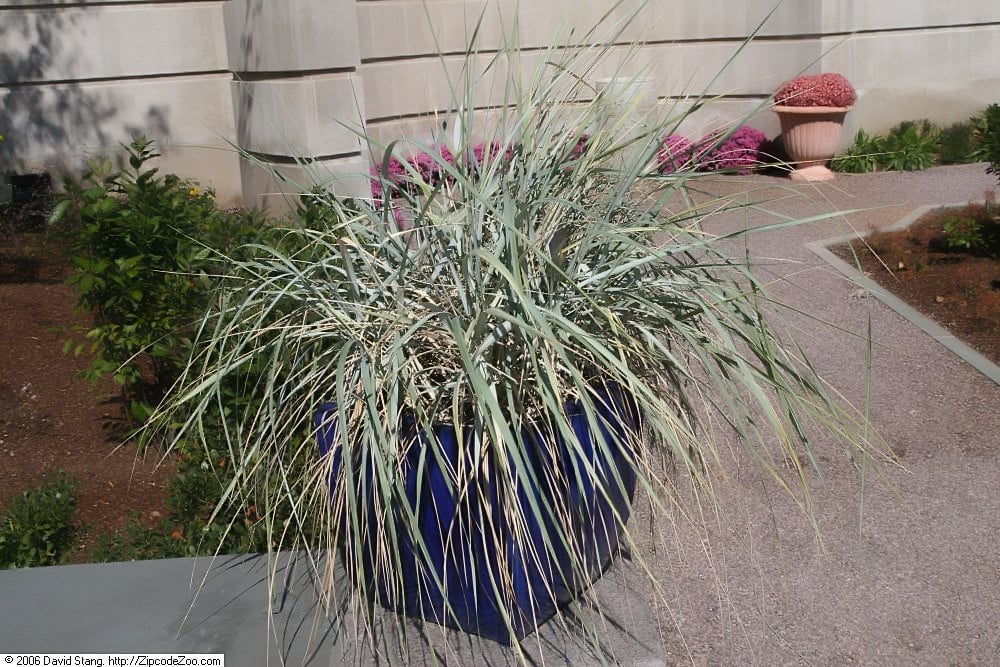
285	79
77	78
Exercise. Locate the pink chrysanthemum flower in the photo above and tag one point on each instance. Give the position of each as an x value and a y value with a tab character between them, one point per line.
395	175
677	152
740	153
430	168
487	152
816	90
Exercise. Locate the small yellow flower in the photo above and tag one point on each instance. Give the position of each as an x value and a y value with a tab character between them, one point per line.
195	191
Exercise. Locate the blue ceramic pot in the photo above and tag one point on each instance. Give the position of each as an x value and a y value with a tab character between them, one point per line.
477	565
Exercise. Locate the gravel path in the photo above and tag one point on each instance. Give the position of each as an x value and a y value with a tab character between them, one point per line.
915	580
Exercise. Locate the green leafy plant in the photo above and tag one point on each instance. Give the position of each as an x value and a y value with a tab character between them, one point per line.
863	156
500	295
139	244
38	528
911	146
974	228
916	145
962	232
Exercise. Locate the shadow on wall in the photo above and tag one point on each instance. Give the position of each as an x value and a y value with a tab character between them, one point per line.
246	62
49	120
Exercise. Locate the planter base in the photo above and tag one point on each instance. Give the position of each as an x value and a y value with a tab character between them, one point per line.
811	137
812	172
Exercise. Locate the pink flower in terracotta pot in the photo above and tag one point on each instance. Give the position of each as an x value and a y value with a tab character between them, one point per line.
811	109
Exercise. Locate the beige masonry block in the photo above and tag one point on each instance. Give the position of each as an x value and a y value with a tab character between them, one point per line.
855	15
291	35
666	20
424	85
402	28
713	19
109	41
945	55
301	117
280	187
943	102
407	28
717	69
60	126
400	88
214	166
29	3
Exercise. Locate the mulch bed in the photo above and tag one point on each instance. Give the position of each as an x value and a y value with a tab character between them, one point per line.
959	289
51	420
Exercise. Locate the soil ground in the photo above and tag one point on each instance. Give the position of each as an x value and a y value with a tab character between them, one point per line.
960	290
50	418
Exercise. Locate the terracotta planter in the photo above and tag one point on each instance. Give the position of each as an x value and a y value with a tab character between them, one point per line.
812	135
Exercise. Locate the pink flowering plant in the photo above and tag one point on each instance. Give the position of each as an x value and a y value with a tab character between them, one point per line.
677	152
432	168
816	90
738	152
390	177
486	153
393	179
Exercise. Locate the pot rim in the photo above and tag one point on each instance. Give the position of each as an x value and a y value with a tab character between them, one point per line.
615	393
785	108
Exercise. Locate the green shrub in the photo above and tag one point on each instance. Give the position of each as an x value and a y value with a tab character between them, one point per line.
974	229
140	246
38	528
914	145
957	143
911	146
863	155
991	139
962	232
146	252
978	123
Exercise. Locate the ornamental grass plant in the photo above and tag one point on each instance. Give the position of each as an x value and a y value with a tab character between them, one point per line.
507	288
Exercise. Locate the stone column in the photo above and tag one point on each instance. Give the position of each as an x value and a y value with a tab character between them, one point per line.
297	97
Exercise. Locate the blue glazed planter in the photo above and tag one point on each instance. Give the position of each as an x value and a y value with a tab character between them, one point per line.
476	567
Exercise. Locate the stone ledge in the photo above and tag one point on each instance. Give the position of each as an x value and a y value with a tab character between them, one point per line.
157	607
